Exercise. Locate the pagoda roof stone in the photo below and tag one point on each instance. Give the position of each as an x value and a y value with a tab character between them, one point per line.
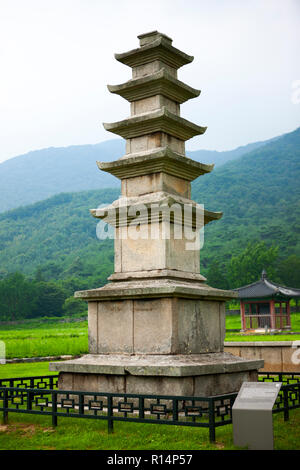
159	83
158	160
117	213
161	120
155	46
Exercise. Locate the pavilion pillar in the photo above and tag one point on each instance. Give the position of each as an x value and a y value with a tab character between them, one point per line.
272	314
280	315
288	314
243	319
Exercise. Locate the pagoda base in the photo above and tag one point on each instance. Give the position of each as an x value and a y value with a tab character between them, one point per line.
183	375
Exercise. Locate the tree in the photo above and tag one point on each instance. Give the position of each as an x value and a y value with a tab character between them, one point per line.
72	306
17	297
248	265
289	271
38	275
216	276
50	299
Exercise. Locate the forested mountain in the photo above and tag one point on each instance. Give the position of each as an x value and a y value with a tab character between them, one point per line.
258	194
219	158
38	175
57	237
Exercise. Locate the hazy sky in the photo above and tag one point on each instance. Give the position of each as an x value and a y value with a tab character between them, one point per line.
57	56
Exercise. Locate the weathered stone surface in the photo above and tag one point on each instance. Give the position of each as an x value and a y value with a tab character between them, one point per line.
160	385
115	327
155	47
155	288
173	274
161	159
156	326
147	38
145	209
153	326
143	383
147	253
272	358
277	355
161	120
178	365
93	327
98	383
207	385
289	356
153	103
66	381
151	68
199	326
161	83
153	182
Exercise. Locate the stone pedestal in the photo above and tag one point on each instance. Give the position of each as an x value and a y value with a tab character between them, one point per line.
156	327
188	375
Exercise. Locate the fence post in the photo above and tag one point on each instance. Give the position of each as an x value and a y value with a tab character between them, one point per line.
29	400
211	416
54	409
110	422
175	409
141	408
5	406
81	405
286	404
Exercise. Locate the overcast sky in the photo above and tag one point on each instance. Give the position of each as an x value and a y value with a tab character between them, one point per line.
57	56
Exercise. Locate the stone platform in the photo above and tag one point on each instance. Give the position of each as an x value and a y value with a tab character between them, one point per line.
180	374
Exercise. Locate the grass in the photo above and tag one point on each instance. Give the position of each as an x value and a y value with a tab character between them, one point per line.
32	369
28	432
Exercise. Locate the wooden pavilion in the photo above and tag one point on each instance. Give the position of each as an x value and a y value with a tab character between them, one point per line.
265	304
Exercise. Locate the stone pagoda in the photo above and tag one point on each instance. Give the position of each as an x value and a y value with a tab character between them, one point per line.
156	327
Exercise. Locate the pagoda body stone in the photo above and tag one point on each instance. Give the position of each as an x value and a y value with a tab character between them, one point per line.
156	326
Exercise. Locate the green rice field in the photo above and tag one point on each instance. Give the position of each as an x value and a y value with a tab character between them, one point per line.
44	338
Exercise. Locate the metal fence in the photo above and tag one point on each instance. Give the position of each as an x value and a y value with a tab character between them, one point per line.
40	396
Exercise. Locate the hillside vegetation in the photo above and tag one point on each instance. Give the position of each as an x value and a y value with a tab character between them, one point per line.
259	195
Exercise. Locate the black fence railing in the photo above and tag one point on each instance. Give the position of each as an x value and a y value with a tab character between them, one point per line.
40	382
40	396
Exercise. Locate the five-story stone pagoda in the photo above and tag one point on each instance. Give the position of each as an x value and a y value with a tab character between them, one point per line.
156	327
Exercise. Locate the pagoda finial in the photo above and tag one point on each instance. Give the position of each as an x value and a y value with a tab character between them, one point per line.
147	38
264	274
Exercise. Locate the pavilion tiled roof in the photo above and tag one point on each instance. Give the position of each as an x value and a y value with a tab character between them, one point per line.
266	289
